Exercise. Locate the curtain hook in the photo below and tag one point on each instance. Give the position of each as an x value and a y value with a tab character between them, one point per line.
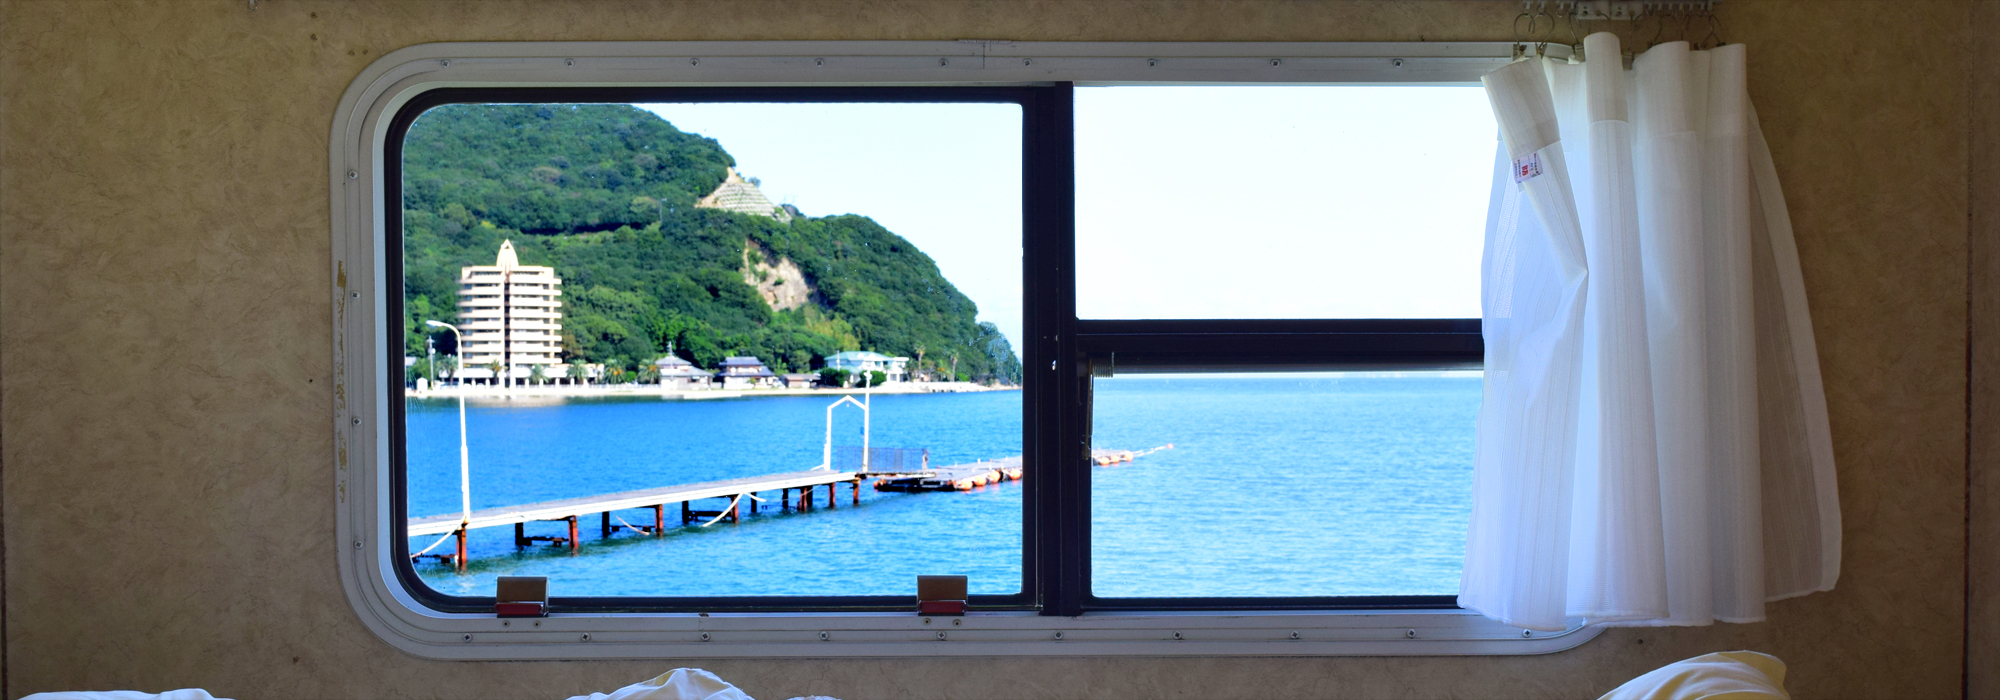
1520	39
1542	42
1714	30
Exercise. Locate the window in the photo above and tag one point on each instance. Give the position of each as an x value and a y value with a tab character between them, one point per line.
1156	278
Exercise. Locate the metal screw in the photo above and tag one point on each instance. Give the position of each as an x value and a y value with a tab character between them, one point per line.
357	421
1410	634
538	623
1274	62
584	638
956	623
1177	635
1295	635
569	61
927	620
1027	61
1152	62
506	623
1058	636
446	63
822	636
694	61
944	61
467	638
354	295
357	544
940	635
1527	633
819	61
351	174
704	636
1398	62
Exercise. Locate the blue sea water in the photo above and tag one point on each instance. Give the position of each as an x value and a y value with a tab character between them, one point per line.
1276	485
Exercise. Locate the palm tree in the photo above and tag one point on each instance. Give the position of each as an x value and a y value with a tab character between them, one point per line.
578	371
537	375
496	367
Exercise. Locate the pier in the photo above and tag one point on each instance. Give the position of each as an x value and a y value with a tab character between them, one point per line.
570	510
914	474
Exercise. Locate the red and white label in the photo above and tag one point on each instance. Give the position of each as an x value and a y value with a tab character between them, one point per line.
1527	167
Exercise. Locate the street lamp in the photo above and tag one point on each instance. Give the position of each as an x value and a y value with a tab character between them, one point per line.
464	458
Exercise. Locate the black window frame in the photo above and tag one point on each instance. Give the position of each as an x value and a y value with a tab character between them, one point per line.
1060	356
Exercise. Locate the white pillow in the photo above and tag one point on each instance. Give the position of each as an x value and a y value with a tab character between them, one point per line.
1728	675
678	684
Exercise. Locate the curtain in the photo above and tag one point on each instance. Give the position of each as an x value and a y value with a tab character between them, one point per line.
1652	444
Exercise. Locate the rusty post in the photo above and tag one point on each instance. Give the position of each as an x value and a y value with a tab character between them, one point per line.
659	519
461	549
830	502
735	505
520	535
572	534
857	491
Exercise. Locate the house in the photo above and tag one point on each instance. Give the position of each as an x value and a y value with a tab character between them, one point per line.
858	361
676	373
744	372
173	428
800	381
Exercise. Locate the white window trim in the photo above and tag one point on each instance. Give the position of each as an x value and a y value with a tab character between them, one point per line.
361	411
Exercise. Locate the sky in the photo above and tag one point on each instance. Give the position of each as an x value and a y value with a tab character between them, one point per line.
1192	201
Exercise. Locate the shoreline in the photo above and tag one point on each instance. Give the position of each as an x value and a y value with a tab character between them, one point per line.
480	391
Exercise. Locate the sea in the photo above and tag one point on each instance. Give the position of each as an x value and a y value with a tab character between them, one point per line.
1308	484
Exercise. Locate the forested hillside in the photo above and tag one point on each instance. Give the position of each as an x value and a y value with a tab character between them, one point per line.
605	194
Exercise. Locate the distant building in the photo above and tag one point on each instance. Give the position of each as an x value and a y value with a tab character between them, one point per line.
742	196
858	361
676	373
746	373
508	314
800	381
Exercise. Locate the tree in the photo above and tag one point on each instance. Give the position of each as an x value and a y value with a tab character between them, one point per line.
649	373
876	378
537	375
833	377
496	368
578	371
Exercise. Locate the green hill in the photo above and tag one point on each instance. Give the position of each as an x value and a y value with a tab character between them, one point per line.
605	195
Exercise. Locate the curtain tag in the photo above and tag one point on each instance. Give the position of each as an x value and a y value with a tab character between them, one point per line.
1527	167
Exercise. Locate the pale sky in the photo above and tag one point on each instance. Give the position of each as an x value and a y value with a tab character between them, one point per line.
1192	202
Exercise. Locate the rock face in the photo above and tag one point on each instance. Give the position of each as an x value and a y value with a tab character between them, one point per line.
742	196
776	278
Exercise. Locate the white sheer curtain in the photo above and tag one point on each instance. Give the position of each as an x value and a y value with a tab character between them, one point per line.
1653	444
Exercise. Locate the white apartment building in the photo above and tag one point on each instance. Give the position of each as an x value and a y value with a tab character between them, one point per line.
509	314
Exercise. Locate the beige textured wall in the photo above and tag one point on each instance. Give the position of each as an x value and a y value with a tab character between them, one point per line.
165	335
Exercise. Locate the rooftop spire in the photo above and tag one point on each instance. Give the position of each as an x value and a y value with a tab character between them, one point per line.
507	259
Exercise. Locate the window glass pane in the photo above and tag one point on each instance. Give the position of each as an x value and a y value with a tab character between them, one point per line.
1282	484
1281	201
662	304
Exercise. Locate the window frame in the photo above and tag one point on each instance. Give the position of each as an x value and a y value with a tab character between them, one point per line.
1039	165
1054	614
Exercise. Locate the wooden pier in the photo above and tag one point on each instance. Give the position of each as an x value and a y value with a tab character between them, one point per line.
570	510
957	477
